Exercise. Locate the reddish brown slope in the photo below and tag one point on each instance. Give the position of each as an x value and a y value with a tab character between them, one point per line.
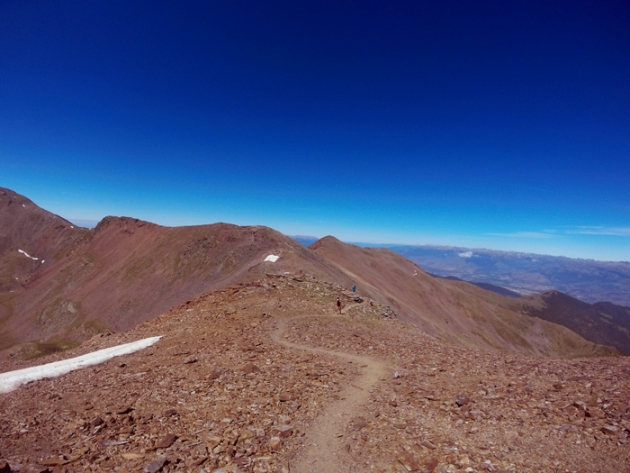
451	310
31	240
41	234
129	271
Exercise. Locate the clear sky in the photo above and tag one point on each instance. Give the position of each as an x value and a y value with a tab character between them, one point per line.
496	124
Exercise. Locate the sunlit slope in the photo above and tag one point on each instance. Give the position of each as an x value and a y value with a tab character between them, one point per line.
129	271
451	310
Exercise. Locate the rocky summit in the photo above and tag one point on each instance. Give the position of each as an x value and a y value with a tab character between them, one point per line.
266	376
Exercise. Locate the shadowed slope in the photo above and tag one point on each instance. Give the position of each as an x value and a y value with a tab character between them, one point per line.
602	322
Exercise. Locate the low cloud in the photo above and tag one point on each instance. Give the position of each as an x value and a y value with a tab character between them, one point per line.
466	254
600	230
578	230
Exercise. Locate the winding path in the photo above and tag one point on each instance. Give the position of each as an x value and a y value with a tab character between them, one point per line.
325	451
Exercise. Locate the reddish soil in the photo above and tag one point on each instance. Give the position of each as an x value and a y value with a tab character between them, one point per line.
42	235
257	378
324	451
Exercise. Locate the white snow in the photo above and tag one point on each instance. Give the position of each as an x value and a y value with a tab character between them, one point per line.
466	254
272	258
27	255
13	379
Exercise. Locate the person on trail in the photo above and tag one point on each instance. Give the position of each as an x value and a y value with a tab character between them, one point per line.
338	305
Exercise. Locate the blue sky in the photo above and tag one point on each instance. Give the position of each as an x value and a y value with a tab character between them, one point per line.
495	124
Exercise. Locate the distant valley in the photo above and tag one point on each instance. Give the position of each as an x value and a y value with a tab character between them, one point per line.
521	273
527	273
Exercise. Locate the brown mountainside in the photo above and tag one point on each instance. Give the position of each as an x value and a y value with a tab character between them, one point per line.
43	236
256	373
122	273
452	310
127	271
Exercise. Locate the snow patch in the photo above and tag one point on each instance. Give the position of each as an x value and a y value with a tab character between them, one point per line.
27	255
272	258
465	254
11	380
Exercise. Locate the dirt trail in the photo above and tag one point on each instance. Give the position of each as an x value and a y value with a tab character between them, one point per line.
325	445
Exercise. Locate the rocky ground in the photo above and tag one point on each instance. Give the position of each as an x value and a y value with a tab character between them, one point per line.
266	378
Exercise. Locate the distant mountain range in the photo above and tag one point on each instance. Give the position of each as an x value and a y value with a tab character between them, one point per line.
488	287
304	239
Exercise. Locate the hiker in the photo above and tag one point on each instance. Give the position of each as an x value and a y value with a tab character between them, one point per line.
354	288
338	305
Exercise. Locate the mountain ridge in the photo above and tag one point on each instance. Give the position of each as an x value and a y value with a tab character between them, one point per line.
127	271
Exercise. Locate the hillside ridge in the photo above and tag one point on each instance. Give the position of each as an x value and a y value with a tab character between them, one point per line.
127	271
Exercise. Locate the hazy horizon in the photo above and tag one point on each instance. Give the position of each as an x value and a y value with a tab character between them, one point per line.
92	224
